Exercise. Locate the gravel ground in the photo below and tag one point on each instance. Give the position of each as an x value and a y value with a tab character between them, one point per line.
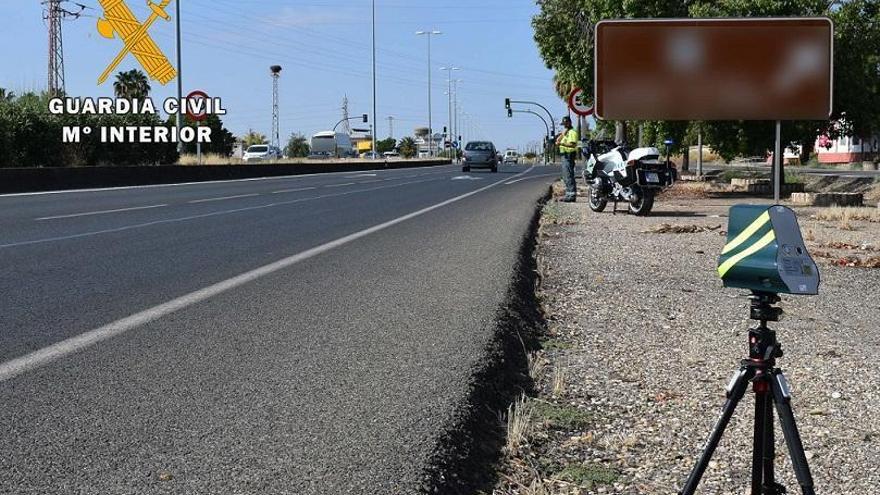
643	339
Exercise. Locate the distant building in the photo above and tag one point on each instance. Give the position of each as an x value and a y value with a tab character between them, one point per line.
362	141
847	149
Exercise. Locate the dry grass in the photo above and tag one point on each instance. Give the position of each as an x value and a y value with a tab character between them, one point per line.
693	190
537	365
519	420
558	380
526	480
708	155
668	228
845	224
207	159
873	195
849	214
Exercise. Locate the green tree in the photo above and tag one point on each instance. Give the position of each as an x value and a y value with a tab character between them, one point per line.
386	145
131	85
408	147
252	137
564	35
297	146
222	141
31	137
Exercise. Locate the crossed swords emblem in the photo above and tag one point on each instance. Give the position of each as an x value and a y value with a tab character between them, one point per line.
119	20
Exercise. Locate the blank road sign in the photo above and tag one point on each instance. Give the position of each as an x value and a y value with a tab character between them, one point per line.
714	69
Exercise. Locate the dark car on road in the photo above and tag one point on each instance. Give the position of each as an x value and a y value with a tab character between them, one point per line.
480	154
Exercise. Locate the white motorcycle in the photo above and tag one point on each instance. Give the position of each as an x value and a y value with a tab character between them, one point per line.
615	173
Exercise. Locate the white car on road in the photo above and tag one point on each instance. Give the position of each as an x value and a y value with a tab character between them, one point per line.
261	153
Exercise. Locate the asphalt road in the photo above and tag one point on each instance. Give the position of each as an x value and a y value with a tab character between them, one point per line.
309	334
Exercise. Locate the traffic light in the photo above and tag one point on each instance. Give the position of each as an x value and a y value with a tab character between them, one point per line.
444	130
509	113
366	118
507	103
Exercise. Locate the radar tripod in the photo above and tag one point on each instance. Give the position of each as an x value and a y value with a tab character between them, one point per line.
770	387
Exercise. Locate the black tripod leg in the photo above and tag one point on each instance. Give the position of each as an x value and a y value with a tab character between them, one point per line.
759	442
771	487
735	392
782	398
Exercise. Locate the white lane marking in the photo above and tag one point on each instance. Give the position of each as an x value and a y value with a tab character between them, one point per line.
204	215
341	185
359	176
530	178
178	184
11	369
224	198
102	212
370	181
294	190
466	177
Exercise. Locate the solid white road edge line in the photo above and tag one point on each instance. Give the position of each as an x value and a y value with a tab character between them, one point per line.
103	212
11	369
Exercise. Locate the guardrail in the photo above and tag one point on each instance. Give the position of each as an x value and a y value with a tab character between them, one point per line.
19	180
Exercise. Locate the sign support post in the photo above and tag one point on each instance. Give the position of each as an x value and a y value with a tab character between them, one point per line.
777	164
198	143
699	154
198	115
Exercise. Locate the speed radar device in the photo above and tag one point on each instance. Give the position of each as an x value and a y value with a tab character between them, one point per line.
765	252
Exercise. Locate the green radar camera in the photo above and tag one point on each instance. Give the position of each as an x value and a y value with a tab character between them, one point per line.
765	252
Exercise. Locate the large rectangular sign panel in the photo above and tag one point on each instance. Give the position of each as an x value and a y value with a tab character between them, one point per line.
714	69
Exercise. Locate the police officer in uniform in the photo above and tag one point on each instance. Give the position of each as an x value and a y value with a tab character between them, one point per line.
568	147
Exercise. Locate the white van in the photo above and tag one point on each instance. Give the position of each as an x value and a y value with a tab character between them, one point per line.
511	156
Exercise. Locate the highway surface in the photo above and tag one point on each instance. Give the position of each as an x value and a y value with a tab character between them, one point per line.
309	334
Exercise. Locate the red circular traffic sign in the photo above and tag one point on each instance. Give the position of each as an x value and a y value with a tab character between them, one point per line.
577	102
203	113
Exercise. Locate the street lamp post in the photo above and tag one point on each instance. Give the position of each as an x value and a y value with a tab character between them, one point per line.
449	97
374	76
457	132
179	81
429	35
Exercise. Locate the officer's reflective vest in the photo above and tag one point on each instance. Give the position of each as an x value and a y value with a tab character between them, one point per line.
569	141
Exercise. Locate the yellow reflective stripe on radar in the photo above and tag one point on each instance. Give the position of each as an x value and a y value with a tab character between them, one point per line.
748	232
754	248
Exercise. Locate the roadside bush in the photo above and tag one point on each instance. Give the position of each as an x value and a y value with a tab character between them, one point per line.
31	137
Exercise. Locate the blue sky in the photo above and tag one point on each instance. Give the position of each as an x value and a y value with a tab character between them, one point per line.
324	47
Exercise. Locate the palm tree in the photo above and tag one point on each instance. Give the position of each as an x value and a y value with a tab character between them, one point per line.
563	88
253	137
131	85
408	147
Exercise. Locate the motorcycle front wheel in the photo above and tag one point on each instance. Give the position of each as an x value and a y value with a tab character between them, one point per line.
642	206
597	201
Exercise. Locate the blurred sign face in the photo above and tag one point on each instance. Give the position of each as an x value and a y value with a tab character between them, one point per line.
714	69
